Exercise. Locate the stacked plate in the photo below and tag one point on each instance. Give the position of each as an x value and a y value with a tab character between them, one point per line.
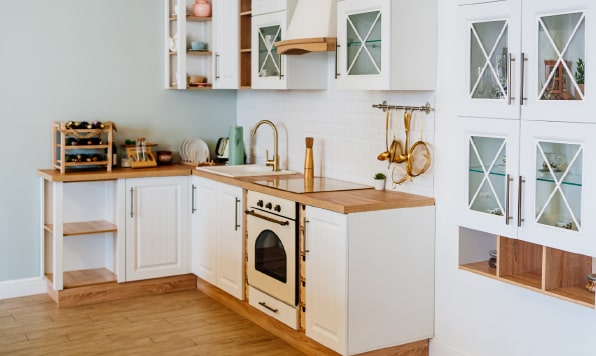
194	150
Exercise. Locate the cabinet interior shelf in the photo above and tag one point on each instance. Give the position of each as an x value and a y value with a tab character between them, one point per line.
245	50
570	179
359	43
86	277
191	18
199	53
85	227
546	270
81	147
246	13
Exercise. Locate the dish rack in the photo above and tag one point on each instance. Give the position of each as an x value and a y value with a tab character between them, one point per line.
89	147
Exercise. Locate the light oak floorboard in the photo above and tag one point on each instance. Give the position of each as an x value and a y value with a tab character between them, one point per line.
178	323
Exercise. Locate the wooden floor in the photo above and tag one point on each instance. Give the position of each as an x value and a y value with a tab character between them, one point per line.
179	323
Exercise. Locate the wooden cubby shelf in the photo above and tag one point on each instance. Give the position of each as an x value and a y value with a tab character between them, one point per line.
553	272
86	277
85	228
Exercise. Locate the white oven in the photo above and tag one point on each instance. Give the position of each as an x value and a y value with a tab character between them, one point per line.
272	249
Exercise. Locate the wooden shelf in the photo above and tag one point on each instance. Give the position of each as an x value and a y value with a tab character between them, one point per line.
85	228
198	18
545	270
86	277
198	53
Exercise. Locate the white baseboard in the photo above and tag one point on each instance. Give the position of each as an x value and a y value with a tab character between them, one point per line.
436	348
23	287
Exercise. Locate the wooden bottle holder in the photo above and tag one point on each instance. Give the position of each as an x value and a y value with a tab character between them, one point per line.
141	161
60	149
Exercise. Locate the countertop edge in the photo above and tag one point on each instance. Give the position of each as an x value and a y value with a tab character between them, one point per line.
52	175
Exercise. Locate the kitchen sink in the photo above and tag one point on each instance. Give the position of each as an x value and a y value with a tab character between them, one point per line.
244	170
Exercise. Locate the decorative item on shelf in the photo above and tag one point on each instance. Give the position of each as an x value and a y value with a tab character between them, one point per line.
198	46
579	78
201	8
379	181
236	143
492	261
591	282
139	154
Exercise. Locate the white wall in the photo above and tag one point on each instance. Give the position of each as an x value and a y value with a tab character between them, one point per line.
475	315
83	60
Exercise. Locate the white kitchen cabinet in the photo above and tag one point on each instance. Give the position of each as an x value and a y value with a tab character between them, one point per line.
387	44
520	59
217	234
271	70
157	227
369	278
80	233
225	45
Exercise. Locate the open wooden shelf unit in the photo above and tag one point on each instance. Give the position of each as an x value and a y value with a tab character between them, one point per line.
543	269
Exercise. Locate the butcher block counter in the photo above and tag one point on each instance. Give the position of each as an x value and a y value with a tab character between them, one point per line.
345	201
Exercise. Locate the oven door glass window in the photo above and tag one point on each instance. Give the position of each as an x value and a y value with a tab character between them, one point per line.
270	256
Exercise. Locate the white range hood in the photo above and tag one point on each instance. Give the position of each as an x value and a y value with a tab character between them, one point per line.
312	28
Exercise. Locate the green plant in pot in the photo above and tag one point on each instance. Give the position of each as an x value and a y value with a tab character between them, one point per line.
379	181
579	76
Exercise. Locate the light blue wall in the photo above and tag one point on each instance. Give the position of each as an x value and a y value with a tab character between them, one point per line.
83	60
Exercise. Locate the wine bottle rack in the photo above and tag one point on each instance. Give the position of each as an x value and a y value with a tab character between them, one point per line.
75	148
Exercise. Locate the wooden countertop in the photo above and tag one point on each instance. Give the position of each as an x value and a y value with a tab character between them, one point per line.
347	201
53	175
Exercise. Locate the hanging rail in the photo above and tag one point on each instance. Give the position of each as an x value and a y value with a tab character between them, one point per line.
384	106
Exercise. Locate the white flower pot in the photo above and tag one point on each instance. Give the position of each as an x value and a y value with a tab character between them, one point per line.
380	184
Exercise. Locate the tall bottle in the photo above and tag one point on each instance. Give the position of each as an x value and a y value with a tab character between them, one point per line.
236	146
308	160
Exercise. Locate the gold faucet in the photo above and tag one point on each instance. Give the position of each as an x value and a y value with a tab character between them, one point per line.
275	161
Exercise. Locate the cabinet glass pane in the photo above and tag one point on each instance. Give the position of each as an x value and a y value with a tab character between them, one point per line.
559	184
487	177
269	60
488	60
364	43
561	54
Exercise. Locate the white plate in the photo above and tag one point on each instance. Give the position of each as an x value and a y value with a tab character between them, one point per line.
184	150
198	151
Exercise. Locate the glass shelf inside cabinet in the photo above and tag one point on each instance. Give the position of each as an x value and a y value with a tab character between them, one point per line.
489	66
364	43
559	184
561	56
486	174
269	60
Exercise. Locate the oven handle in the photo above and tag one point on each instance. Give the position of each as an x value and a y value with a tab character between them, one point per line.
264	305
252	212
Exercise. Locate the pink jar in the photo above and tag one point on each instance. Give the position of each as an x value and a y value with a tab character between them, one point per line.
201	8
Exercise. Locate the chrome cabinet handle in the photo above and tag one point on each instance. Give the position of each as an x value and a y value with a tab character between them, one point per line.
264	305
522	81
236	216
337	45
193	209
252	212
510	70
216	66
507	199
519	201
280	68
131	201
305	250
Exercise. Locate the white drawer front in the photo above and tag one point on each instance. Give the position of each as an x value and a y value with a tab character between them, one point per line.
273	307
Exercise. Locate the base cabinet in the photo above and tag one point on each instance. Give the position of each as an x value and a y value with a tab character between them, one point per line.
157	211
217	238
369	278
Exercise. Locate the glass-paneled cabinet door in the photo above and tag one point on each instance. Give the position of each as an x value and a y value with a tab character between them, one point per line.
555	41
364	41
489	155
489	40
558	194
268	66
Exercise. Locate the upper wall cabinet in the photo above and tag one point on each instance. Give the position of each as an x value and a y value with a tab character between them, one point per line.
271	70
525	59
387	45
213	61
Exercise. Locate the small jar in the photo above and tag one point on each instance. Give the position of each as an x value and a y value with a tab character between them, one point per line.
492	261
591	282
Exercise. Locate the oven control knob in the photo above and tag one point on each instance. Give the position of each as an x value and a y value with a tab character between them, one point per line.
260	203
268	205
277	208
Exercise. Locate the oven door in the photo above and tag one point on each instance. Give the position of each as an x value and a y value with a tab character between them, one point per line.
272	260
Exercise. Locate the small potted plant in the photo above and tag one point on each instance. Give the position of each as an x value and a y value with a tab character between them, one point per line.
579	76
379	181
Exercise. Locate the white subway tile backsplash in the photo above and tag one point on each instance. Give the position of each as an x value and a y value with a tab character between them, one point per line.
349	133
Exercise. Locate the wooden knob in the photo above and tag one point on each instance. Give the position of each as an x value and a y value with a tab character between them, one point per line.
309	142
